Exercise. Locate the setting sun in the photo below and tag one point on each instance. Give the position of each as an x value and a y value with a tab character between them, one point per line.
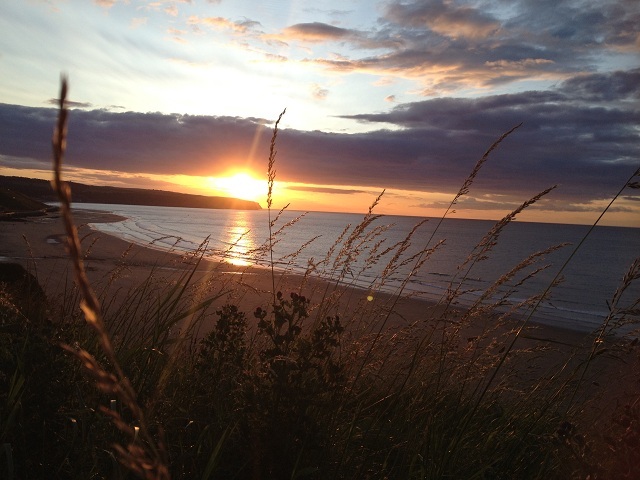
240	185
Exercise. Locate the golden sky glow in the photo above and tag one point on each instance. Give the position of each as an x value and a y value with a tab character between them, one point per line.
241	185
347	199
402	95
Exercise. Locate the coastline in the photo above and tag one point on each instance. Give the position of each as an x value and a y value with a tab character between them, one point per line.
38	244
40	240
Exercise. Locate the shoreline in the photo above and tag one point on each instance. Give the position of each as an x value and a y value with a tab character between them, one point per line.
31	242
38	244
579	302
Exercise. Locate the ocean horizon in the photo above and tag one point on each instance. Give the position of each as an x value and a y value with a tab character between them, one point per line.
578	302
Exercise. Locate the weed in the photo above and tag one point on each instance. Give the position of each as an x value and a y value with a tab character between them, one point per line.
316	383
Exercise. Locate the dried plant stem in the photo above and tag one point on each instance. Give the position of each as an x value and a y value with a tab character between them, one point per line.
90	305
525	322
271	176
426	251
135	457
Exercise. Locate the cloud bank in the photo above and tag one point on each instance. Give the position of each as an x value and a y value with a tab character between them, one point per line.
581	134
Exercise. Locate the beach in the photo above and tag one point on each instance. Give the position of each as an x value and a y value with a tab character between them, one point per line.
114	265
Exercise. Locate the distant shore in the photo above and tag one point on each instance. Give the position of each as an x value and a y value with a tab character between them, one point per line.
38	244
41	191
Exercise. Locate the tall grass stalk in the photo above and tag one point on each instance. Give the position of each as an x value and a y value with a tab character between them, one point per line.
629	183
319	383
148	458
271	175
420	260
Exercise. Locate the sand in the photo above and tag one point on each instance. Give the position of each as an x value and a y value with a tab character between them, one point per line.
114	265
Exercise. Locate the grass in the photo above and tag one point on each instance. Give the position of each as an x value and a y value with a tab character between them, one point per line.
309	384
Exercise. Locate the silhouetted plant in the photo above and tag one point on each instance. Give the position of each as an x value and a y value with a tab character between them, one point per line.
225	346
277	398
297	372
296	360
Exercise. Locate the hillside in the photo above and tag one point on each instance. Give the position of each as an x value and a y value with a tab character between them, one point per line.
11	201
40	190
15	205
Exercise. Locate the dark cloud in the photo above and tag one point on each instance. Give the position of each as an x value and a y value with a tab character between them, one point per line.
447	46
448	19
72	104
585	146
588	147
576	24
605	87
134	142
470	203
316	31
330	190
319	32
23	163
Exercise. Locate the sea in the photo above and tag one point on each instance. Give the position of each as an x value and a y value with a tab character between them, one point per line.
580	276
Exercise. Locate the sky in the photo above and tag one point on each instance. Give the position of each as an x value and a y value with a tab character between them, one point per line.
397	96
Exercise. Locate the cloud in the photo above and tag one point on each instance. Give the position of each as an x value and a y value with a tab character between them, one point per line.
579	26
329	190
221	23
446	19
8	161
620	85
105	3
319	32
167	6
589	148
564	139
470	203
318	92
133	142
315	32
138	22
70	103
275	58
172	10
518	64
447	47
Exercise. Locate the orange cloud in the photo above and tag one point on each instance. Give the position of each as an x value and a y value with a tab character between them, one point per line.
221	23
315	32
518	64
105	3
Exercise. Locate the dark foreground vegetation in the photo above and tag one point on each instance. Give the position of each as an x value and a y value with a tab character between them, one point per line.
93	389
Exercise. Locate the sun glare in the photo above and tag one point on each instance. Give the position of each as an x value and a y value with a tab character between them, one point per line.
240	185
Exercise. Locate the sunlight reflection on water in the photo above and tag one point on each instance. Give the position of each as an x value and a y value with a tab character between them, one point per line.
240	242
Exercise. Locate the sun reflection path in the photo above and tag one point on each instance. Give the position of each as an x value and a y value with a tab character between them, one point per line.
239	240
